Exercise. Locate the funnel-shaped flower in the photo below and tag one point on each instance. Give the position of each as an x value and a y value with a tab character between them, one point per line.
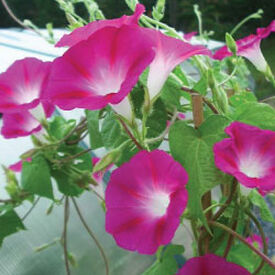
211	265
248	155
170	52
83	33
23	84
256	240
100	70
145	199
249	47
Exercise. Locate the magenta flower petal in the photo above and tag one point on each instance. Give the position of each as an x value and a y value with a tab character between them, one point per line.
100	70
169	53
22	85
188	36
83	33
19	125
211	265
248	155
249	47
145	199
256	239
17	167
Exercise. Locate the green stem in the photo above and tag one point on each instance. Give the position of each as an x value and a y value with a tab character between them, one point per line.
261	231
255	15
64	235
236	235
90	232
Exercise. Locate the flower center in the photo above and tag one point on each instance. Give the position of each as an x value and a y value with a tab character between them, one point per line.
252	167
159	204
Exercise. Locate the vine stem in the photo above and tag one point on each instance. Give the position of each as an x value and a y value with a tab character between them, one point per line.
228	201
261	231
90	232
166	131
236	235
130	134
15	18
205	100
31	208
64	235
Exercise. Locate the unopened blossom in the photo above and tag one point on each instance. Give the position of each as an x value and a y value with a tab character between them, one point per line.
256	240
83	33
211	264
145	198
100	70
248	155
249	47
22	86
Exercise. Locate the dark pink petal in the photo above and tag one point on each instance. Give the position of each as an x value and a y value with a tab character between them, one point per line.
145	199
100	70
188	36
169	53
19	125
17	167
248	155
83	33
256	239
265	32
211	265
22	85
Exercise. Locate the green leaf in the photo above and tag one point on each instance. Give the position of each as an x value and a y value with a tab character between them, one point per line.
59	127
257	114
201	85
9	223
257	200
166	264
112	132
156	122
68	182
93	128
194	150
242	98
36	177
171	93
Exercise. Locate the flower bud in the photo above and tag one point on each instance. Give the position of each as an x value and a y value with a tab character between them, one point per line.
231	44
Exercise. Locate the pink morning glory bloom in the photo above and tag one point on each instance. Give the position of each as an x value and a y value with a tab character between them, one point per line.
100	70
256	240
249	47
248	155
83	33
17	167
145	198
23	84
211	264
170	52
